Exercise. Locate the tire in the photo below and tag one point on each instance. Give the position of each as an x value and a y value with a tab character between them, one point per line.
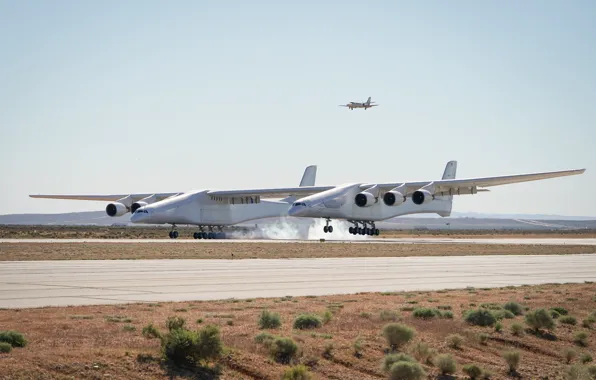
377	232
330	229
171	235
175	234
325	229
195	235
204	235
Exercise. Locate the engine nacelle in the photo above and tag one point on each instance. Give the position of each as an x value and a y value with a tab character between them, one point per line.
393	198
137	205
364	199
422	196
116	209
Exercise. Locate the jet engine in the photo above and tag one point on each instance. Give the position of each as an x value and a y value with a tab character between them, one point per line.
116	209
364	199
422	196
143	202
393	198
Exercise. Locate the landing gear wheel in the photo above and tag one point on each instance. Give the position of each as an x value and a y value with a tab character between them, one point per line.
210	235
196	235
377	232
174	234
204	235
351	230
330	229
325	229
171	235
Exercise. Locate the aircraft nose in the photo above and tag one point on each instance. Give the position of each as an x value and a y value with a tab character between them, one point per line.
141	215
297	209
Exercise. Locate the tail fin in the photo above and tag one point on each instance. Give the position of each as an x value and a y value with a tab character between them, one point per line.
368	101
309	176
446	201
450	170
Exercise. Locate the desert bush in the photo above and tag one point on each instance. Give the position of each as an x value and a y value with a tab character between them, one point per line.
151	332
480	317
472	370
569	354
129	328
184	347
421	351
175	323
581	338
14	338
568	320
491	306
406	371
357	346
483	338
592	371
328	351
283	350
560	310
389	315
298	372
446	364
444	307
540	319
517	329
327	316
503	314
5	347
265	339
512	358
307	321
554	314
397	334
578	372
145	358
391	359
269	320
513	307
454	341
498	327
426	313
447	315
585	358
365	315
588	322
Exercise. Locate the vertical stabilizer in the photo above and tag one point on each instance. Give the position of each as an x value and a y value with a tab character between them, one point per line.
309	176
368	101
450	170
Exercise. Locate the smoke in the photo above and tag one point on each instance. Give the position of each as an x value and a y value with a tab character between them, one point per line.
291	229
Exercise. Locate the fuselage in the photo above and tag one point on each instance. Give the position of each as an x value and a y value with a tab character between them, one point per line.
338	203
198	208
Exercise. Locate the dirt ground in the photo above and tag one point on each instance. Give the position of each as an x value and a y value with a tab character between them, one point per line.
204	250
84	342
160	232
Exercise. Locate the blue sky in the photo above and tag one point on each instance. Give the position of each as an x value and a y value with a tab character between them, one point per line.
150	96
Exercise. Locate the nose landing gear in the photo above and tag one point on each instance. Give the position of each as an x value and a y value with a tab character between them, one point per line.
173	232
328	228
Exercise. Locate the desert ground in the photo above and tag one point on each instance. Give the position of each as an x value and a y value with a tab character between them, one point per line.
222	250
160	232
105	342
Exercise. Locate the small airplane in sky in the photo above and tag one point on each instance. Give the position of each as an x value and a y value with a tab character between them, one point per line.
365	105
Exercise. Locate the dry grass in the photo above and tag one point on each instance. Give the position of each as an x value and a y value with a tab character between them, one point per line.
63	346
204	250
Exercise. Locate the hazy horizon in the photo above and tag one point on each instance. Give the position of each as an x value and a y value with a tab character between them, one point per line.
148	96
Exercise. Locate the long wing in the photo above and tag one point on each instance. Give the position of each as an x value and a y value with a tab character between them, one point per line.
453	185
106	198
271	193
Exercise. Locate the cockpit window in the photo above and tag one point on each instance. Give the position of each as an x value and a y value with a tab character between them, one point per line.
299	204
142	211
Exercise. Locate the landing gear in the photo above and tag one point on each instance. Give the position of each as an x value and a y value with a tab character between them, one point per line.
327	227
202	234
365	229
173	232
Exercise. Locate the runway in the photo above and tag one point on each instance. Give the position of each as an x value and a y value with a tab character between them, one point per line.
358	240
60	283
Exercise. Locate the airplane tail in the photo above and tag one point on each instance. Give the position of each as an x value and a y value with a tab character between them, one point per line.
368	101
308	179
446	201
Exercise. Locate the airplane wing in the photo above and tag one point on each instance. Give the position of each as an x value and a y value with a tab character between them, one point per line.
106	198
271	193
453	186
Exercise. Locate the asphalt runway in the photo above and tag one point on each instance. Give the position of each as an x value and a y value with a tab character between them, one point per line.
61	283
358	240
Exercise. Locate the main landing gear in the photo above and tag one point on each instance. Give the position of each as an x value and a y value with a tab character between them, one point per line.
364	230
202	234
368	228
327	227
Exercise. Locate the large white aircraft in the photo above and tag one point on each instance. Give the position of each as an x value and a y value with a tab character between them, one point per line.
364	105
363	204
210	210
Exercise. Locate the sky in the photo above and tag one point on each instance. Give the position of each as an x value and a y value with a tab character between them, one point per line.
153	96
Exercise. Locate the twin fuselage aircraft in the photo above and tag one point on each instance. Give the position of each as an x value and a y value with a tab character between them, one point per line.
362	204
365	105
